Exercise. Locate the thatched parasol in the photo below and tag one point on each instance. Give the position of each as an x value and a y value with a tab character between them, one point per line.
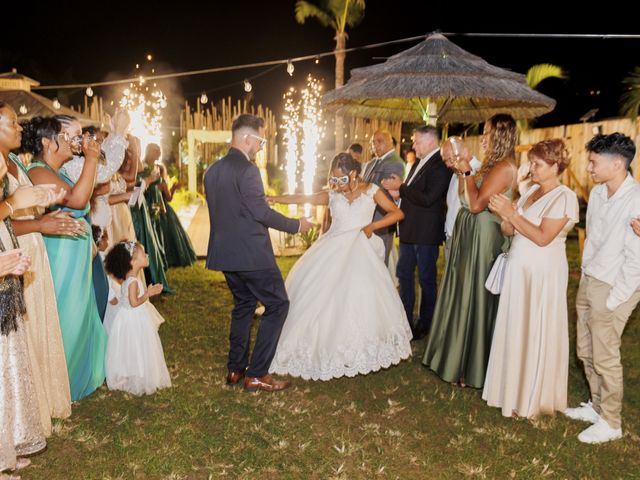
436	79
15	89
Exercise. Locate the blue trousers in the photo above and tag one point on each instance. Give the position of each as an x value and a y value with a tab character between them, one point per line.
424	257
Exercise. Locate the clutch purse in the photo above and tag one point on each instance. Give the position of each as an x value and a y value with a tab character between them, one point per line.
495	279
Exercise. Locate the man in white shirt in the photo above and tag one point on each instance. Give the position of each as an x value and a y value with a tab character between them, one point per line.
610	284
453	197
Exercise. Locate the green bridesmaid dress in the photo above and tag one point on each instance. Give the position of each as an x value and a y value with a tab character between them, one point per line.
465	312
178	250
83	336
146	235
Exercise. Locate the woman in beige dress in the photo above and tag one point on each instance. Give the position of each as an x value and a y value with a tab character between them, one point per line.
42	328
529	361
121	227
20	426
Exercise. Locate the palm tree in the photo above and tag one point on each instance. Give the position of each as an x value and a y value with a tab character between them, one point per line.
535	75
338	15
630	99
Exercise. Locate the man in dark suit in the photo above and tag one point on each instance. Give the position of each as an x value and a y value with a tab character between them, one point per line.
423	199
240	247
386	163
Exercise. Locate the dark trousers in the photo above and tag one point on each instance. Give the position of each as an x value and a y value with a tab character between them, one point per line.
425	258
248	288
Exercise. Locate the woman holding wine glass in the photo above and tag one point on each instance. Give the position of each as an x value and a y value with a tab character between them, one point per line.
462	328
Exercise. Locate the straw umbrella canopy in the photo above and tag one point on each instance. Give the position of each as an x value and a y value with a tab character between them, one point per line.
436	80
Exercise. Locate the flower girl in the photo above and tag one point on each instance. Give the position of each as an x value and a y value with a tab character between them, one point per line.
135	360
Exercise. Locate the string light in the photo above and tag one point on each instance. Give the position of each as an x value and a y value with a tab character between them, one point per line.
247	86
290	68
317	60
56	104
23	109
149	57
203	98
89	92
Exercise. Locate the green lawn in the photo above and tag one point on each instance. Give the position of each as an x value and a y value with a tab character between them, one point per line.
400	423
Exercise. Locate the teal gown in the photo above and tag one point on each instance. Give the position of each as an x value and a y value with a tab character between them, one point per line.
465	313
83	336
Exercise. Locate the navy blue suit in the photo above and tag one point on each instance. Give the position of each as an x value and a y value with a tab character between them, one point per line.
240	247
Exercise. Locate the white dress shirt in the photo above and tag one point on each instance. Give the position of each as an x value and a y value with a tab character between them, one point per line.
453	198
612	249
420	166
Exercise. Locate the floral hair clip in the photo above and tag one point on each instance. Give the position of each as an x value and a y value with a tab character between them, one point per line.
130	245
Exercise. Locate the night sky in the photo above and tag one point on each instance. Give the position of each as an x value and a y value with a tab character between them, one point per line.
62	42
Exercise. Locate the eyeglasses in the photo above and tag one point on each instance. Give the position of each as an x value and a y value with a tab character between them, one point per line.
64	135
339	180
78	138
263	141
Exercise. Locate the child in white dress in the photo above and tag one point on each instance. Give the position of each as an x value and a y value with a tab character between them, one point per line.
134	360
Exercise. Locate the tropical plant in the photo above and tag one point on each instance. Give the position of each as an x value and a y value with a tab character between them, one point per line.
338	15
536	75
630	99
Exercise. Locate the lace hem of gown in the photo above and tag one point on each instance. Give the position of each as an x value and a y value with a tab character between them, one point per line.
370	354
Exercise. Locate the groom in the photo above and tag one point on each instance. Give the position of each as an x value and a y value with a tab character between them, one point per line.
240	247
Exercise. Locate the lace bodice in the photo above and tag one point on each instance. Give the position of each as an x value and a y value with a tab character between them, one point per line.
355	215
124	292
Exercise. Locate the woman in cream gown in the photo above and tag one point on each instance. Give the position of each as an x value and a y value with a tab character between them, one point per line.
529	361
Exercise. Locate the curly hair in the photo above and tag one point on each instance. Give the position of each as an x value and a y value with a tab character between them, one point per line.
502	141
118	260
34	130
345	162
613	144
552	151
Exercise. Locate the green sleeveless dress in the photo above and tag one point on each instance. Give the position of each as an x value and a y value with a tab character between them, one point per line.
465	312
83	336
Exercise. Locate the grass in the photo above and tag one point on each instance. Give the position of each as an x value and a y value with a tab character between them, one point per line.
402	423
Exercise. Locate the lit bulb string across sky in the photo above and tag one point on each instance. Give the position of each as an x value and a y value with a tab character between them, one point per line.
315	56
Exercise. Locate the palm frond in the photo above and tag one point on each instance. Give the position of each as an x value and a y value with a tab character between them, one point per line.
355	13
304	10
630	99
542	71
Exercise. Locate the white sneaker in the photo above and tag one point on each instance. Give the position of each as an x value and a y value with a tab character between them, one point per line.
600	432
584	412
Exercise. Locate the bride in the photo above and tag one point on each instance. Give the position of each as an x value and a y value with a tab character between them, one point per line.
345	315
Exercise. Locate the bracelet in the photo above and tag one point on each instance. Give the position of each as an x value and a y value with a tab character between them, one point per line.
10	207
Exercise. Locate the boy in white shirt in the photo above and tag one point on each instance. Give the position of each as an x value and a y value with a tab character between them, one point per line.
610	283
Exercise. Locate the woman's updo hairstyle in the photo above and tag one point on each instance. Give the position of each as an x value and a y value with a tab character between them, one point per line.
34	130
346	163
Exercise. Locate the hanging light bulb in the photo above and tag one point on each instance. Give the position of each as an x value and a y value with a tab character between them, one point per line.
247	86
290	68
89	92
149	57
23	109
56	104
203	98
317	60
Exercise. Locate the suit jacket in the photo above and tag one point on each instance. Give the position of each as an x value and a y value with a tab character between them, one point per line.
240	216
424	203
391	164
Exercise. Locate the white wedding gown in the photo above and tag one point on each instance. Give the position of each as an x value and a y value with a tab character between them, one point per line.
345	315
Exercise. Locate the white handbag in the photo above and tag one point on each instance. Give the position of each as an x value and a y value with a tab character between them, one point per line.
495	279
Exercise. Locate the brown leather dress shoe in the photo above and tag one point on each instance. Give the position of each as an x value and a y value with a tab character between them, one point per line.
266	383
233	378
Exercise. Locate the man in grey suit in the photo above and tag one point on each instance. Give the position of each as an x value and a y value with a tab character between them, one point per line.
240	247
386	163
